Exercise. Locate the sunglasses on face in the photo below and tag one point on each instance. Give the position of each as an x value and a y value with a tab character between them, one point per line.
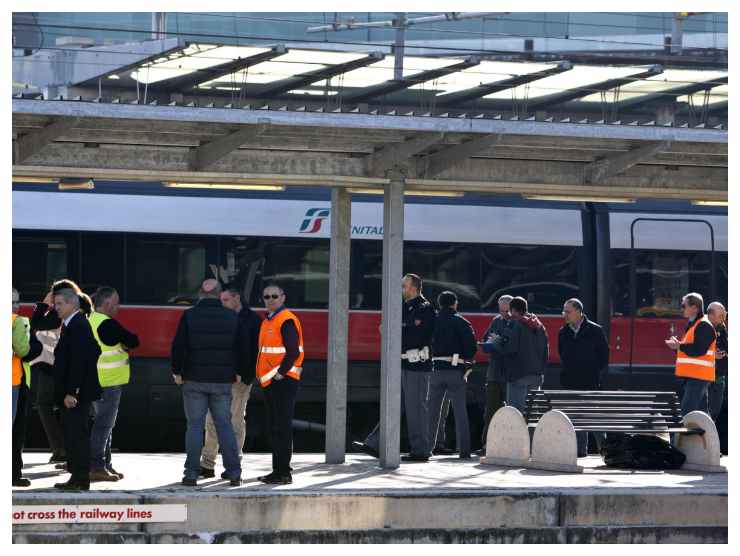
273	296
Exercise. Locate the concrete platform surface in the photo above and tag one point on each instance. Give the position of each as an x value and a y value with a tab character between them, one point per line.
163	472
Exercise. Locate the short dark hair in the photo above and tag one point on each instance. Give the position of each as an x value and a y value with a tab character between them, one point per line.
86	304
694	299
519	304
446	299
415	279
575	303
103	294
232	288
273	285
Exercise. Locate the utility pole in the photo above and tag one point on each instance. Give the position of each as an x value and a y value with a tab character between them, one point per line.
159	25
398	46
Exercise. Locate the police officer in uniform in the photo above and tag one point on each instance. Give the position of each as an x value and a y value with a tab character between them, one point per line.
416	367
454	347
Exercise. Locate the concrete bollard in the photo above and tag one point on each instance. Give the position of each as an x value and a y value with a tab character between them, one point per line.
702	451
554	446
507	442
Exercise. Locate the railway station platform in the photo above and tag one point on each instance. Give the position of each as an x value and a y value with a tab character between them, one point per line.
444	501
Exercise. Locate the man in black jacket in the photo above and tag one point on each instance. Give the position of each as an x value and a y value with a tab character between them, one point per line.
717	316
524	350
454	348
245	349
584	355
77	385
203	363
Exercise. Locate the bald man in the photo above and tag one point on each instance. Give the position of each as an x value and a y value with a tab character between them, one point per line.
718	316
204	364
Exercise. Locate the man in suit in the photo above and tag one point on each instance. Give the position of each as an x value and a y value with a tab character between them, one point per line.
77	385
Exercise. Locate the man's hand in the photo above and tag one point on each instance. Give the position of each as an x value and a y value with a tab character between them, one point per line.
673	343
70	402
49	299
720	354
278	376
178	379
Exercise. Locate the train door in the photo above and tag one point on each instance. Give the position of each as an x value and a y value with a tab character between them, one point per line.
668	258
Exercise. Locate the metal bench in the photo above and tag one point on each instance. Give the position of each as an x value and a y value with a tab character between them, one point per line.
556	416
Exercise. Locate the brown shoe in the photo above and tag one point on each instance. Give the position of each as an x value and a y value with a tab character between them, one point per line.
99	475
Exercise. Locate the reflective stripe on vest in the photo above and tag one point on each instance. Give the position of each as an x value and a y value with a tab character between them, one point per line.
272	351
701	367
113	363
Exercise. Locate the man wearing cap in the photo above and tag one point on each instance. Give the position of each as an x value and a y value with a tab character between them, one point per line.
204	364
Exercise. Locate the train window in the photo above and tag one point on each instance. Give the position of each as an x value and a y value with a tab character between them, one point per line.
446	266
164	270
243	260
621	266
366	274
37	262
664	277
301	267
544	275
102	262
720	274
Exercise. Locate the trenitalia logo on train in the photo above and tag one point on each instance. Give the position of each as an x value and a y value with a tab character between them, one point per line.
315	217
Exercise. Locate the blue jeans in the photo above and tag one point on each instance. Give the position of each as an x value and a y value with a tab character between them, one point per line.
516	391
199	398
582	442
16	389
106	411
695	396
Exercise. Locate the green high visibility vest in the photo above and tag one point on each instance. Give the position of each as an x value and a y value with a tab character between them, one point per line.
113	365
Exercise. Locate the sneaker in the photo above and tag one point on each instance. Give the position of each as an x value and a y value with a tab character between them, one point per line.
102	475
189	482
21	482
207	473
56	458
415	459
362	447
275	479
114	472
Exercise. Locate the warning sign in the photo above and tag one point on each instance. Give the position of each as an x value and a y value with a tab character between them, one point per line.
100	513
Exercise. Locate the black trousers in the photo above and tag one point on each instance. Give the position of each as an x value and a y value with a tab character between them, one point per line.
76	424
44	398
19	430
495	396
280	396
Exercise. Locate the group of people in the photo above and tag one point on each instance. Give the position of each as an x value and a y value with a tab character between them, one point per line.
72	356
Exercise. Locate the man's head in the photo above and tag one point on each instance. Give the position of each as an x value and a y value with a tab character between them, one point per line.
518	306
573	311
231	298
66	302
16	301
273	296
503	305
411	286
692	305
716	313
64	284
447	300
107	301
210	289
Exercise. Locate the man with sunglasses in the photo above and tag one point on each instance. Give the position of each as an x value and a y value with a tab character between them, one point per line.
696	355
279	369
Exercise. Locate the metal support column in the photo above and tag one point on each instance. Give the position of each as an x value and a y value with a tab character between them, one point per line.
390	350
336	360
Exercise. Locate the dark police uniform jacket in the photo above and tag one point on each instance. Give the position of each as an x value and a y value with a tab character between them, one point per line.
417	330
453	333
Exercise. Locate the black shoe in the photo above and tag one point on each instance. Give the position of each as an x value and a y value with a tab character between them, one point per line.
62	466
235	482
72	485
415	459
443	451
189	482
361	446
55	458
21	482
207	473
275	479
481	452
114	472
465	456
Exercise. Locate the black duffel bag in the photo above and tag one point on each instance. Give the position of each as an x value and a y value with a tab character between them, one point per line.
640	451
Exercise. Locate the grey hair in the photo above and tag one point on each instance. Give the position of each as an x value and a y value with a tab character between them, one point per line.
696	300
70	296
16	304
716	305
575	303
505	299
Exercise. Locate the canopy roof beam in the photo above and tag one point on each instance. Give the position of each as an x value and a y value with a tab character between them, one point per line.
604	168
31	143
